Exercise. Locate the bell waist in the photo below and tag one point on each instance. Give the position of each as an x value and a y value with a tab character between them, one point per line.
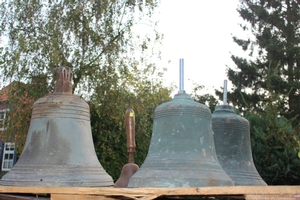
61	109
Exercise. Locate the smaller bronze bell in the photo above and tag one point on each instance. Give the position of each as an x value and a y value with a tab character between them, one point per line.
232	143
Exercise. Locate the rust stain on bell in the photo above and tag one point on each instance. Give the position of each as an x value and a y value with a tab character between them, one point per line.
59	149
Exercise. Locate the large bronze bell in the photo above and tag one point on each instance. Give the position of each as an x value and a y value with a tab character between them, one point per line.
181	152
233	147
59	149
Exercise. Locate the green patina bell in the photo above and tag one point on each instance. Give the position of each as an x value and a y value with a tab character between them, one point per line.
233	147
181	152
59	149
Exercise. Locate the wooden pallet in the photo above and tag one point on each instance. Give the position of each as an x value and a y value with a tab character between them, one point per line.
108	193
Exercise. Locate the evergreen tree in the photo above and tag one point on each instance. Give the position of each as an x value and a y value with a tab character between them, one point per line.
266	86
275	147
274	57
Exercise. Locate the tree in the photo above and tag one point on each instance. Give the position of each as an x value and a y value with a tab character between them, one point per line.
275	147
92	37
266	86
112	66
274	57
207	99
108	120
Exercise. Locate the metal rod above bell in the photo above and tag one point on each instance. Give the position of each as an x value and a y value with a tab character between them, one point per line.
59	149
225	93
181	76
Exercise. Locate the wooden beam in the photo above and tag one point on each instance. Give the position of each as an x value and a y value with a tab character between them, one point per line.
138	193
22	197
272	197
78	197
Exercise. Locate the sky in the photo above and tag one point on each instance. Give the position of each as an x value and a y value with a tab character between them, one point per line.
201	33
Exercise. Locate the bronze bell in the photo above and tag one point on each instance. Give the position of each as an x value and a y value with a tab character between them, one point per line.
233	148
181	152
59	149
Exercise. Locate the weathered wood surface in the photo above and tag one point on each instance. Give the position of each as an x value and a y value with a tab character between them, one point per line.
23	197
93	193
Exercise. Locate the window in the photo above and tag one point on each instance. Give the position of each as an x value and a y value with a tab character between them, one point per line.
2	119
9	156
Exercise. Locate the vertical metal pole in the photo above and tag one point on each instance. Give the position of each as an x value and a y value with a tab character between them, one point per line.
225	93
181	76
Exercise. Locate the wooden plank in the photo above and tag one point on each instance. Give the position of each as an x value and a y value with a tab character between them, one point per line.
79	197
272	197
230	190
95	197
148	197
133	193
21	197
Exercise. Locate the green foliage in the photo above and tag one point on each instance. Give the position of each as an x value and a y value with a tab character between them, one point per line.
108	120
207	99
91	37
275	140
275	148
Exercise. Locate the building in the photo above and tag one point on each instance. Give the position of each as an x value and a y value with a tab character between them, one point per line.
8	154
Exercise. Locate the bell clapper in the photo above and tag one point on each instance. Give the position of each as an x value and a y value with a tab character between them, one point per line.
130	168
